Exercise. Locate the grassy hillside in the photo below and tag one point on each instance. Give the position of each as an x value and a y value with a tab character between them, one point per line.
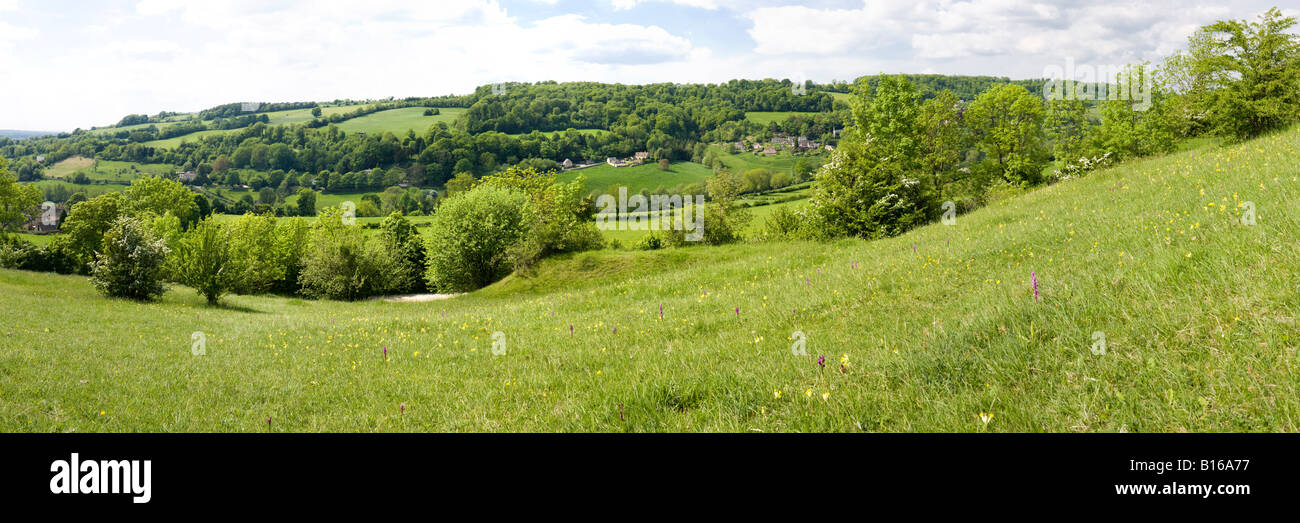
106	170
937	326
766	117
636	177
398	121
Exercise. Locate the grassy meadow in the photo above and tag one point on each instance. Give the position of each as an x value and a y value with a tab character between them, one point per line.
398	121
637	177
767	117
1197	310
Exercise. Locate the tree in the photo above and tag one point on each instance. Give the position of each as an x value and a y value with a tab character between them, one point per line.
16	200
339	261
1258	66
663	164
88	221
203	259
944	136
161	196
872	186
306	202
130	261
460	183
471	236
315	112
405	248
1008	123
1067	127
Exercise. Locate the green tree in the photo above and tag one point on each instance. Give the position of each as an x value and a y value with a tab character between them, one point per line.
944	136
130	262
16	200
203	259
471	237
460	183
1008	123
161	196
306	202
1258	66
340	262
405	249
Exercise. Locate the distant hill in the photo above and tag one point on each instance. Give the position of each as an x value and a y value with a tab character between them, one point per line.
10	133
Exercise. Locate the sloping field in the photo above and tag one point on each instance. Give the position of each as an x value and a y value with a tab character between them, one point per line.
1158	308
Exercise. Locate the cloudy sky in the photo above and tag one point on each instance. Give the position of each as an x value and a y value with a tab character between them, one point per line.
67	64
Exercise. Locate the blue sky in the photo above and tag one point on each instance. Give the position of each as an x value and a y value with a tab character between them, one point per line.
69	64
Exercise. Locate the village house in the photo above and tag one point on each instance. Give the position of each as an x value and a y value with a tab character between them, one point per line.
187	176
769	151
615	162
641	156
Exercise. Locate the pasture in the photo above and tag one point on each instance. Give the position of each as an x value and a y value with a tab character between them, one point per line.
398	121
646	176
1157	309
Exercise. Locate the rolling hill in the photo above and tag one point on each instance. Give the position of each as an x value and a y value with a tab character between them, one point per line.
1158	308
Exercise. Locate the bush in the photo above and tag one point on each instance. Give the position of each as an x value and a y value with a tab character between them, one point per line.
52	257
649	242
782	223
204	260
403	246
471	236
340	263
130	262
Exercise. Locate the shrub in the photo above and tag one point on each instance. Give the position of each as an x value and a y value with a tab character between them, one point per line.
470	237
340	263
130	262
403	246
782	223
649	242
204	260
252	237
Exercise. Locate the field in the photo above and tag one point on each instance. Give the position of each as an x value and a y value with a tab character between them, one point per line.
766	117
91	190
303	115
107	170
168	143
398	121
782	162
636	177
1159	310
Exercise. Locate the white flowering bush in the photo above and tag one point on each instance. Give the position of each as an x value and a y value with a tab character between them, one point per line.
129	263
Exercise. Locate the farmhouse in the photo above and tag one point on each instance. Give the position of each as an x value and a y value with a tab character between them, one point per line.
615	162
769	151
187	176
641	156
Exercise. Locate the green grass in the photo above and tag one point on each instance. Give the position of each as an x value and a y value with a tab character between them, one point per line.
636	177
767	117
168	143
107	170
292	116
783	161
91	190
1199	314
398	121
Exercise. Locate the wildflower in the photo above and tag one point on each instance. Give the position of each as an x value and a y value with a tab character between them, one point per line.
661	311
826	396
1034	281
737	311
776	393
402	407
986	418
821	361
808	393
571	329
